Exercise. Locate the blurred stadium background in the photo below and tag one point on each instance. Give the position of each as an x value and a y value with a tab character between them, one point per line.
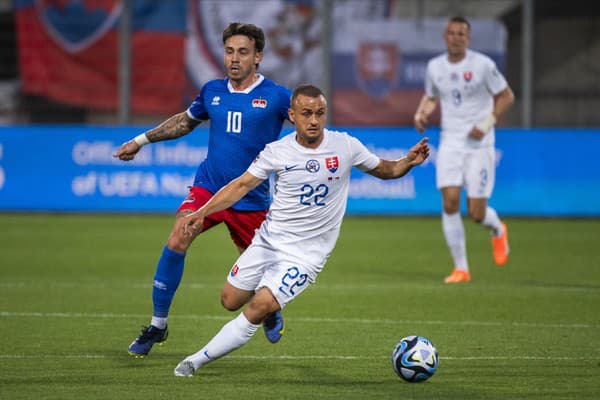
77	78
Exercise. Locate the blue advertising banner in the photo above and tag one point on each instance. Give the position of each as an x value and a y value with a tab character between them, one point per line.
549	172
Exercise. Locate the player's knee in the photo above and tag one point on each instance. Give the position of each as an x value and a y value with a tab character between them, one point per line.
230	303
178	241
451	207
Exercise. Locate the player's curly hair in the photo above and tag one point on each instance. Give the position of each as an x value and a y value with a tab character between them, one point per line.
252	31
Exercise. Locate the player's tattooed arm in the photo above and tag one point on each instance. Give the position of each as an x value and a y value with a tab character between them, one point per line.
174	127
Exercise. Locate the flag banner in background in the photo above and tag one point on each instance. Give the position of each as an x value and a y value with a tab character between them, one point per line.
68	51
378	67
294	46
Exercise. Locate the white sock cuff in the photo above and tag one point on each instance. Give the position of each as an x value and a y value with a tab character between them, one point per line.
492	221
451	217
159	322
244	325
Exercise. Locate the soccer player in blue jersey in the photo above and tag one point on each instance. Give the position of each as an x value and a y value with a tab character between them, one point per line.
246	111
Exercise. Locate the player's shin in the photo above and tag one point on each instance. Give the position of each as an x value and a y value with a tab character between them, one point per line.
169	271
233	335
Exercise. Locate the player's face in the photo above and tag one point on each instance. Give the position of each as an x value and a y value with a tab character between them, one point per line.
457	39
309	115
241	58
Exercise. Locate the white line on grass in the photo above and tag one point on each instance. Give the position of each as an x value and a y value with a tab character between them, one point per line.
317	286
291	357
10	314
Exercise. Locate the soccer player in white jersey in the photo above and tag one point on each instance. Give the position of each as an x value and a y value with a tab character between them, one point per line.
312	173
473	95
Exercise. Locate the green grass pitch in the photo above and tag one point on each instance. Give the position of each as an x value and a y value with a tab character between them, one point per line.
76	289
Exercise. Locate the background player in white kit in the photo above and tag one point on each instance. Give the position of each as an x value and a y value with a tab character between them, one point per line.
473	94
312	173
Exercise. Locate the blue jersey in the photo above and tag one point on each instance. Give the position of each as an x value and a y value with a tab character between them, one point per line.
241	125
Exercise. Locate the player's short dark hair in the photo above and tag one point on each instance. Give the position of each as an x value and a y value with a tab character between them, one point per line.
461	20
250	30
308	90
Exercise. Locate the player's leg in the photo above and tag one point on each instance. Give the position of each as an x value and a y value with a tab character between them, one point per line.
233	335
242	226
449	179
454	233
278	285
480	179
169	271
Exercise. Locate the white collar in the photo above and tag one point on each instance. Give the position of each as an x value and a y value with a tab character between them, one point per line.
249	88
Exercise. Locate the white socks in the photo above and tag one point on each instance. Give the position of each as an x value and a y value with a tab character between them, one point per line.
160	323
233	335
492	221
454	232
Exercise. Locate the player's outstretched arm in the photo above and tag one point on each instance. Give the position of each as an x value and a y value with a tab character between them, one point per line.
223	199
387	169
174	127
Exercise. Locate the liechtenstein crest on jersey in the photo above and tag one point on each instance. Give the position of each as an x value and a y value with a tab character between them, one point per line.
377	66
332	163
468	75
94	18
259	103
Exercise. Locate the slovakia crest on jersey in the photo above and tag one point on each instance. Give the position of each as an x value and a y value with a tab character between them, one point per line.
259	103
332	163
93	19
377	65
468	75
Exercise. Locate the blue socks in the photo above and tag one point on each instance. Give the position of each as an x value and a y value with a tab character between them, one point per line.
168	275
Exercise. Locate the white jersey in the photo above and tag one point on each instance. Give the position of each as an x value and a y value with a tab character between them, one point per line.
466	91
311	192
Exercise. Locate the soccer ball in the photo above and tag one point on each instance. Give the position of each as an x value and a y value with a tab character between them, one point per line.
415	359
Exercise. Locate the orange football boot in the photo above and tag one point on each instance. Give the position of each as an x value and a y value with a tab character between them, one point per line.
457	276
500	246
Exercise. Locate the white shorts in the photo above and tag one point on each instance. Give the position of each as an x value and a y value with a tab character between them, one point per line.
473	169
262	266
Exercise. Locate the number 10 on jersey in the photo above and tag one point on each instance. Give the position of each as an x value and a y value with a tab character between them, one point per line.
234	121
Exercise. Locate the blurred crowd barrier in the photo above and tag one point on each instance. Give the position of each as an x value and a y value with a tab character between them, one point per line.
71	169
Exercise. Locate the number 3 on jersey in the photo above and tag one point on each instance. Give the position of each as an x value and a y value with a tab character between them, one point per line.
234	121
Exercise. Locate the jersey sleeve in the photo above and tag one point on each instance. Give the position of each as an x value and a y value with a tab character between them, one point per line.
430	89
263	164
362	158
494	80
197	110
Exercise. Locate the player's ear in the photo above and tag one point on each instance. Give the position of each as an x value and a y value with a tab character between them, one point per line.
258	56
291	115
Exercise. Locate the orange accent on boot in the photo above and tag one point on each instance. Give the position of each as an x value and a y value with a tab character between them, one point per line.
458	275
500	246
